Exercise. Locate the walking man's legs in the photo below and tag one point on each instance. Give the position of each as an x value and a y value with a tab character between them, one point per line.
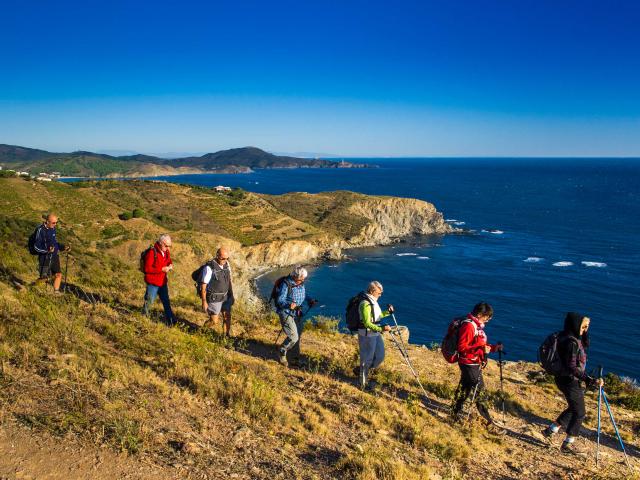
149	296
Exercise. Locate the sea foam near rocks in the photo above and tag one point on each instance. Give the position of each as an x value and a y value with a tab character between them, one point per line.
594	264
563	264
533	259
406	254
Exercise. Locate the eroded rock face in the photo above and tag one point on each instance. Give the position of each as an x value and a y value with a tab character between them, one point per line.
393	218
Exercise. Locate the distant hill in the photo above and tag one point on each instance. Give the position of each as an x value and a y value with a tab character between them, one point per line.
90	164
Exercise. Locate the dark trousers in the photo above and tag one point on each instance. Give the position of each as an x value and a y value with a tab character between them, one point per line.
571	419
470	377
49	264
163	293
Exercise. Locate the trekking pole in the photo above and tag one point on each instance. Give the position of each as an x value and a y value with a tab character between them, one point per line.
66	269
407	360
501	382
615	427
49	271
473	400
599	415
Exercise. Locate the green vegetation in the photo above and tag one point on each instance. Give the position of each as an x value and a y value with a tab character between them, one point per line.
106	375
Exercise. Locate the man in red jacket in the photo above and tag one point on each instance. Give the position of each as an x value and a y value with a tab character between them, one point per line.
157	263
473	348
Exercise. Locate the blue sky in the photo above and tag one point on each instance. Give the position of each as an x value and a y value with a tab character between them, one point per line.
353	78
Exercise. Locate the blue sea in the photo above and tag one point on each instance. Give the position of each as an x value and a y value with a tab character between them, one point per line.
547	236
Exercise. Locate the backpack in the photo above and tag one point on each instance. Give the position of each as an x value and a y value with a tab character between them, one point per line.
143	256
449	346
353	311
276	286
196	275
31	243
549	355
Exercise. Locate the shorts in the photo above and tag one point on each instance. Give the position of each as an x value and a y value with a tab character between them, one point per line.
49	264
214	308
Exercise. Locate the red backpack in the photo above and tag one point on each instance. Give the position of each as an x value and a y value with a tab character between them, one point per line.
449	347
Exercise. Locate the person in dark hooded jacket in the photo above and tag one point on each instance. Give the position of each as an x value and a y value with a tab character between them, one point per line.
572	347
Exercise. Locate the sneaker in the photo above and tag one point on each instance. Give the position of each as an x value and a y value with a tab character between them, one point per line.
548	434
57	292
282	358
572	449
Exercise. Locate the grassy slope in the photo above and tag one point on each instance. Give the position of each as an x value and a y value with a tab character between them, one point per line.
179	397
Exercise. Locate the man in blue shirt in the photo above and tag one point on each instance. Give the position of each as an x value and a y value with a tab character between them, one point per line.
291	296
48	250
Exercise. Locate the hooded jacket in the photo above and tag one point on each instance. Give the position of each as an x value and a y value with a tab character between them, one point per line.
572	348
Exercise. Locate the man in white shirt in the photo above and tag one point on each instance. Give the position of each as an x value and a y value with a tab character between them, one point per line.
216	290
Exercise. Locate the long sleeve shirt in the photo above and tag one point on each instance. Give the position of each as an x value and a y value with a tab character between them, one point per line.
289	293
471	342
368	316
46	238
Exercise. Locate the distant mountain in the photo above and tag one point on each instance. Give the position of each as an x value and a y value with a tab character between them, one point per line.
90	164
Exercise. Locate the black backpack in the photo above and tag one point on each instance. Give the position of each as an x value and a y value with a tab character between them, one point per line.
276	286
549	355
354	322
196	275
143	256
31	243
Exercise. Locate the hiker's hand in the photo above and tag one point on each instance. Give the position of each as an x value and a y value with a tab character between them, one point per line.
499	347
204	306
293	305
166	269
487	349
51	249
386	328
390	308
67	248
312	302
599	382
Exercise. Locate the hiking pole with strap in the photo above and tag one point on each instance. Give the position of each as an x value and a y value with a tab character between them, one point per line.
405	355
473	400
500	353
615	427
66	269
599	416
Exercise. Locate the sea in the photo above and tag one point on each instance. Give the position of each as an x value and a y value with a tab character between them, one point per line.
544	237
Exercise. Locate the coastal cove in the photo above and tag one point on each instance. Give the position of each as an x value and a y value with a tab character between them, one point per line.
548	236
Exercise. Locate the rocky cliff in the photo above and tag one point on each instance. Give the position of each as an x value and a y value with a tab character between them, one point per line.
392	218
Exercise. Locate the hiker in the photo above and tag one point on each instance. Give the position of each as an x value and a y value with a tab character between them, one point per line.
572	345
291	295
370	332
157	264
473	348
216	290
47	247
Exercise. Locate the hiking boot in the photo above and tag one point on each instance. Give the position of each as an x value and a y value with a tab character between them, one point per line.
296	362
282	358
548	434
572	449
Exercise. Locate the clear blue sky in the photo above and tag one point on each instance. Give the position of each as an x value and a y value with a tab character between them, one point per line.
347	77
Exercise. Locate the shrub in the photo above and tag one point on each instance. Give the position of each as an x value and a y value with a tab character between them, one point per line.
138	213
125	216
257	226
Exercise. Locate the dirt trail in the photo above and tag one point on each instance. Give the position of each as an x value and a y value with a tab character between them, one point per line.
24	456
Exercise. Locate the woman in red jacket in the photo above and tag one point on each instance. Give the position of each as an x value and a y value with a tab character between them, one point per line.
157	263
473	348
